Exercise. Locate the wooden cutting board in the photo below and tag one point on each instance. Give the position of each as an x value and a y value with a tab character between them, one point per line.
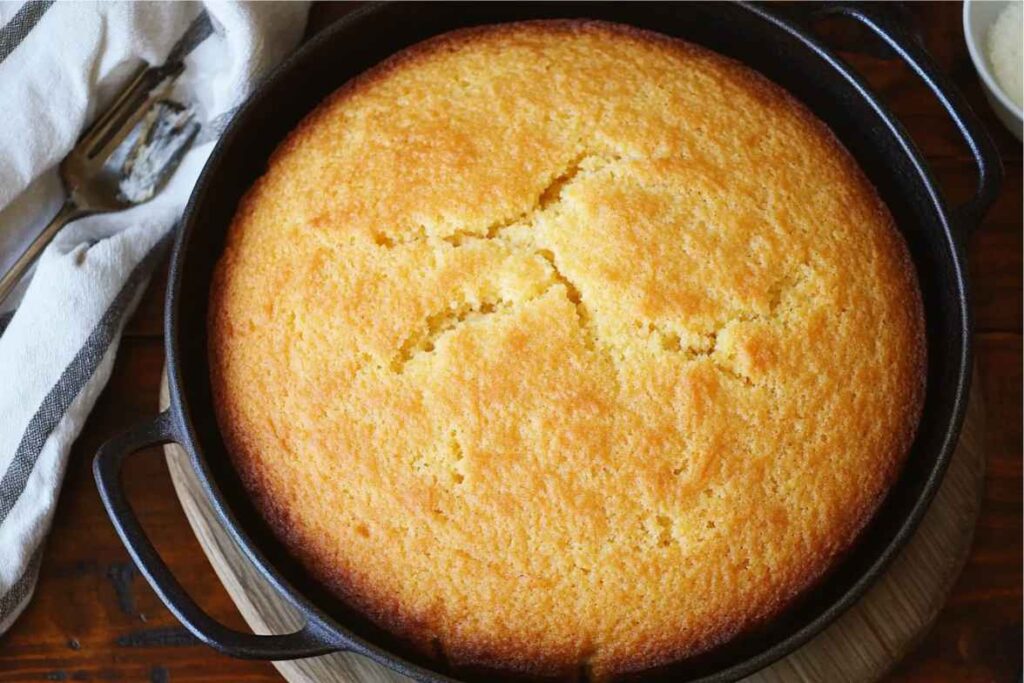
860	646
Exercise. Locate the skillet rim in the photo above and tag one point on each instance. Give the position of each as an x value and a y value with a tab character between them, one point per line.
239	128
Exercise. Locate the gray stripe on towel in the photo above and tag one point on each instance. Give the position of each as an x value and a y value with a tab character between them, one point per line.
20	25
198	31
21	589
74	378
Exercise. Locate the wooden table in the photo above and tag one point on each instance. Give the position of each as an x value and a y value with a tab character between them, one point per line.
94	618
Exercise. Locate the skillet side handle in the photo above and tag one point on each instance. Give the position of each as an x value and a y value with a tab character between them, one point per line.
311	640
903	43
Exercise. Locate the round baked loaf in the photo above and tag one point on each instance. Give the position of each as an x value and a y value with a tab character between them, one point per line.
563	345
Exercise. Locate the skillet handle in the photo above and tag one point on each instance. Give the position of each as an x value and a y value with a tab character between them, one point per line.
311	640
909	49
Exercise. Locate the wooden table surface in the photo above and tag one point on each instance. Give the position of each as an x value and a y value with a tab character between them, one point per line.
94	618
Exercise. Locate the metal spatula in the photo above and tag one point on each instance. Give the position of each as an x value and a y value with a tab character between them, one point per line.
124	159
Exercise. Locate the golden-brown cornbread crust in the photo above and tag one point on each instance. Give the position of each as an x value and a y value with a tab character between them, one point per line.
565	344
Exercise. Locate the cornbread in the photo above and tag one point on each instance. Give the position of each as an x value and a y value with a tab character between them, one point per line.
564	346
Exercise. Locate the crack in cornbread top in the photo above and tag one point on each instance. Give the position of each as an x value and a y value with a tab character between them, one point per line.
562	346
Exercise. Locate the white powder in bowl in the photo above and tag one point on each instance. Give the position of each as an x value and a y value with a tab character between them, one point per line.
1004	50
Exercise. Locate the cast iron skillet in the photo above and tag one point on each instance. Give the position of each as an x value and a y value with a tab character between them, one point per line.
776	47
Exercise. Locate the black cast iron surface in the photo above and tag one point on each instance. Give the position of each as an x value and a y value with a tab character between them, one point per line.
780	49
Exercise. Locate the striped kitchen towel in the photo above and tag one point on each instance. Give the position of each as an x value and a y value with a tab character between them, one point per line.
60	65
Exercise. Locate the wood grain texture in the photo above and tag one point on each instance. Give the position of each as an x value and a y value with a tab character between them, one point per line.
861	646
94	618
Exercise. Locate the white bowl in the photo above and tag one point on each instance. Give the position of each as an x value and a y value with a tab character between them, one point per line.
979	15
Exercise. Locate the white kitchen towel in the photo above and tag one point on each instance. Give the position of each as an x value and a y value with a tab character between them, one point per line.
60	65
